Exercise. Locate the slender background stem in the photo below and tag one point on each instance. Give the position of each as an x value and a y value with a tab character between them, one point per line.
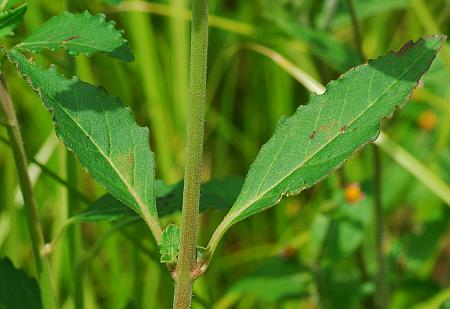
356	31
185	271
381	294
34	224
381	300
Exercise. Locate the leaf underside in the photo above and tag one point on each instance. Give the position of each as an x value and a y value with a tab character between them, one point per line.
80	33
101	132
17	289
170	244
320	136
11	19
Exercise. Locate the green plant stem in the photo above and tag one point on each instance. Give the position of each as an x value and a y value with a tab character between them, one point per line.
185	273
381	298
173	11
330	8
161	124
415	167
34	224
356	30
381	295
74	233
80	196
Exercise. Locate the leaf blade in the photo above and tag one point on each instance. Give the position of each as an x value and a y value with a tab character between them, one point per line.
324	46
322	143
92	124
216	195
11	19
80	33
6	4
17	289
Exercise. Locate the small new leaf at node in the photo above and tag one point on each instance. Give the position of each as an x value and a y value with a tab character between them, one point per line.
170	244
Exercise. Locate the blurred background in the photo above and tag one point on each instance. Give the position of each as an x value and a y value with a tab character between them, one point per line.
327	247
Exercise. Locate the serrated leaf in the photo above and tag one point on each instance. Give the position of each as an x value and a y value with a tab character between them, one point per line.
320	136
80	33
170	244
216	194
17	289
102	133
11	19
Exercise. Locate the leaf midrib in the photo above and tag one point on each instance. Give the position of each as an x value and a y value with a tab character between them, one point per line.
241	209
145	212
45	44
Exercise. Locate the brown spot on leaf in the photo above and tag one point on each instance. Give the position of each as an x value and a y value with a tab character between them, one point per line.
74	37
343	128
130	159
312	135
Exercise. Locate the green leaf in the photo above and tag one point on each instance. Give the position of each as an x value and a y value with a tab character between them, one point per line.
11	19
364	9
216	194
106	208
113	2
274	281
81	33
330	50
102	133
6	4
17	289
320	136
270	289
170	244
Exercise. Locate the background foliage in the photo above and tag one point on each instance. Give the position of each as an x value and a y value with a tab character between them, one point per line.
314	250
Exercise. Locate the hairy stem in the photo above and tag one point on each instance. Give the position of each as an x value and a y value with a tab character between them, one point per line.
34	224
185	271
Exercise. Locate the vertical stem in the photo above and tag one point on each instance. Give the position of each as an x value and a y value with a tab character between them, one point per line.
34	224
356	30
381	300
142	32
330	7
74	234
381	295
185	271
